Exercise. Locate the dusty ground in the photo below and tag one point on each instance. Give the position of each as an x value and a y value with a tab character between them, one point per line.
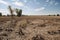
30	28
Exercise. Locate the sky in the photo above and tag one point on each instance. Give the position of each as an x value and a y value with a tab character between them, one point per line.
31	7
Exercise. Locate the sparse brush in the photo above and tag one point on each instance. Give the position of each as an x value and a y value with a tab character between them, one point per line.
9	30
42	25
51	33
3	34
54	32
23	24
20	32
38	37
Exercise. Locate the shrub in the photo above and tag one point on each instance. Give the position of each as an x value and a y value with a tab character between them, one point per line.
58	15
19	12
0	14
49	15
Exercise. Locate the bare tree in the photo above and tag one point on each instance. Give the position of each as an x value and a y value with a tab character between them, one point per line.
11	11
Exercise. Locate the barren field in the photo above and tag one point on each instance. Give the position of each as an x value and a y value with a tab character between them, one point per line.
30	28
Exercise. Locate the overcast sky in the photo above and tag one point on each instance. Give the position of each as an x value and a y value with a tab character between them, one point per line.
32	7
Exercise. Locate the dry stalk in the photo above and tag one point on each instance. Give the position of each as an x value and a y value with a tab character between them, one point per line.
12	18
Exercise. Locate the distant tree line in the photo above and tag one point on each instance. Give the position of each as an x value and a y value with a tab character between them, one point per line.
18	12
54	15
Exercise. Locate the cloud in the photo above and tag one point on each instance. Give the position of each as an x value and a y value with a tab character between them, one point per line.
18	3
47	0
56	3
14	0
52	2
4	11
25	1
39	9
35	0
4	2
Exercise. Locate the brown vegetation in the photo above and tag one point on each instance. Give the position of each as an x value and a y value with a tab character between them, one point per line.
30	28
